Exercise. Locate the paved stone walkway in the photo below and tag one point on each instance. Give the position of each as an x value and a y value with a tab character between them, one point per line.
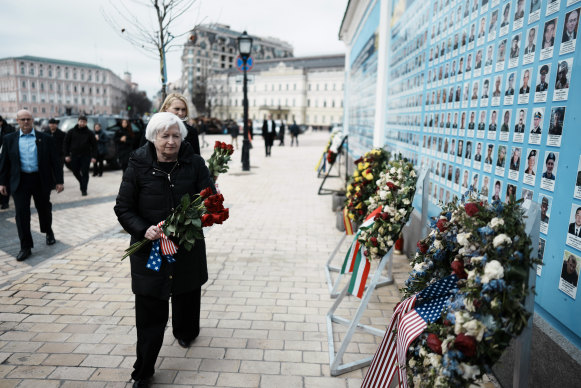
66	313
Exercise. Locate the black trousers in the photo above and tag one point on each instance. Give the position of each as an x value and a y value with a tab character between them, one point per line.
4	199
98	165
30	186
151	317
80	166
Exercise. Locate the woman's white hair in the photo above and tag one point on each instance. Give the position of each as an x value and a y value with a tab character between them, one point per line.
160	122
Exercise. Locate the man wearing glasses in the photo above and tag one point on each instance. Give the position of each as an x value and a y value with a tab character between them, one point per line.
30	165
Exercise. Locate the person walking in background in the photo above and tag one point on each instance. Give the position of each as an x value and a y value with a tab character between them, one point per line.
268	133
281	133
102	140
234	132
80	150
5	129
29	163
202	129
294	131
158	175
125	143
58	137
178	105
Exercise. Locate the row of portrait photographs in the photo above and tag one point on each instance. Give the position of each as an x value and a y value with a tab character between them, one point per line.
500	125
478	92
477	36
443	169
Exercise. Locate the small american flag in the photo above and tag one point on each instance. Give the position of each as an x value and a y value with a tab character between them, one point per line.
162	247
411	318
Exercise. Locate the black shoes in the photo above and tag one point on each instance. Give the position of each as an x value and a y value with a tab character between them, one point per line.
4	206
84	193
183	343
143	383
50	238
23	254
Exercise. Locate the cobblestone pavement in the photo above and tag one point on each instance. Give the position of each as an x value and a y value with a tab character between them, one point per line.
66	313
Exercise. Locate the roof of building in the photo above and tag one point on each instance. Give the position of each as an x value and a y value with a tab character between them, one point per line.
55	62
225	29
315	62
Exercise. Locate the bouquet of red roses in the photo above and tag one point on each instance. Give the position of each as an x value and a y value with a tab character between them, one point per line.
218	162
187	220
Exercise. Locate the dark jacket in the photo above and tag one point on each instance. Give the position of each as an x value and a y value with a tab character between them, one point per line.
192	138
102	142
124	148
80	142
49	169
5	129
59	140
145	198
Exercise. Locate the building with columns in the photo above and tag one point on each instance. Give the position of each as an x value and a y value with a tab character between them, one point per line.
214	47
308	90
52	87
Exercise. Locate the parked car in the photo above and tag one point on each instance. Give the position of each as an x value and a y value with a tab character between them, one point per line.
109	124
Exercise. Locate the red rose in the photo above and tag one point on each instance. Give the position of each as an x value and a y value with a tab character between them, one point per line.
466	344
447	322
471	209
422	247
358	160
434	343
391	186
207	220
442	224
458	269
206	192
366	253
477	303
385	216
373	241
216	218
217	145
230	149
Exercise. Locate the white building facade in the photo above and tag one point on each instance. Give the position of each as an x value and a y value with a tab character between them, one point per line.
52	87
307	90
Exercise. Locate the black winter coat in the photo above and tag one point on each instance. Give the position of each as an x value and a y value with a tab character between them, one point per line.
192	138
145	198
80	142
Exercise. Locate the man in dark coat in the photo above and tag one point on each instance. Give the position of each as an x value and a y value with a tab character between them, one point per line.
29	163
281	133
80	149
59	139
5	129
294	130
268	133
151	189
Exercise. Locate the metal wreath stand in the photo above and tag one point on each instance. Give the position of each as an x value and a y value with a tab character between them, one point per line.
335	360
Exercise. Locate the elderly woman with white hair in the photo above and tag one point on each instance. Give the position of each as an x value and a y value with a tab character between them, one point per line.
158	174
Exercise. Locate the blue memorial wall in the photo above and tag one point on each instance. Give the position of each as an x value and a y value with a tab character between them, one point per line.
486	94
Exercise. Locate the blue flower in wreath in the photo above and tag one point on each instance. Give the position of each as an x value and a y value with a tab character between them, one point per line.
485	230
497	285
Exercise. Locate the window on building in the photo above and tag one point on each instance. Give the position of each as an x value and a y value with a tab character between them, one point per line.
34	98
316	103
317	90
279	87
323	119
82	76
334	86
294	86
74	75
324	103
40	71
75	88
308	102
294	102
31	69
43	110
307	118
286	86
32	85
50	73
50	87
68	88
23	84
272	87
24	97
66	74
332	103
83	101
34	110
42	86
22	70
315	119
309	87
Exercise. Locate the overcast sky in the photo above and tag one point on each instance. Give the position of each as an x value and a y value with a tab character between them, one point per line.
76	30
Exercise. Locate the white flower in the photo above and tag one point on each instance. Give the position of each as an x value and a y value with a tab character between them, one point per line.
469	372
423	352
496	222
382	194
420	266
406	201
492	270
412	362
463	238
474	328
476	259
393	170
446	342
413	174
435	359
417	381
438	244
471	274
501	239
461	317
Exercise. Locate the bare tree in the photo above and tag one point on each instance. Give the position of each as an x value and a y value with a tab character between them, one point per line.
155	39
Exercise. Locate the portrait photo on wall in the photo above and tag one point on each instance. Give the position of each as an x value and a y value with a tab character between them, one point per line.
489	60
510	193
550	170
489	157
534	10
525	88
527	197
500	160
505	19
546	206
492	127
556	126
548	41
574	229
514	51
577	192
530	45
542	85
530	172
564	70
485	189
514	164
500	55
505	126
520	125
497	191
569	274
519	14
540	255
569	38
537	127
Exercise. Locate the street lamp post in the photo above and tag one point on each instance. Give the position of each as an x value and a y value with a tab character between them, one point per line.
245	47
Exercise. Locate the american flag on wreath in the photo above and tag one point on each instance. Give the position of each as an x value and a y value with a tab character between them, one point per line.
411	318
162	247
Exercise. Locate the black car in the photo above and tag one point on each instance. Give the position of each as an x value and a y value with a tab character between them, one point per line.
109	124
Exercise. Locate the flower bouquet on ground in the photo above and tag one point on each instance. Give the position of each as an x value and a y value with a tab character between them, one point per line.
187	220
362	183
218	162
335	147
484	250
396	187
327	147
